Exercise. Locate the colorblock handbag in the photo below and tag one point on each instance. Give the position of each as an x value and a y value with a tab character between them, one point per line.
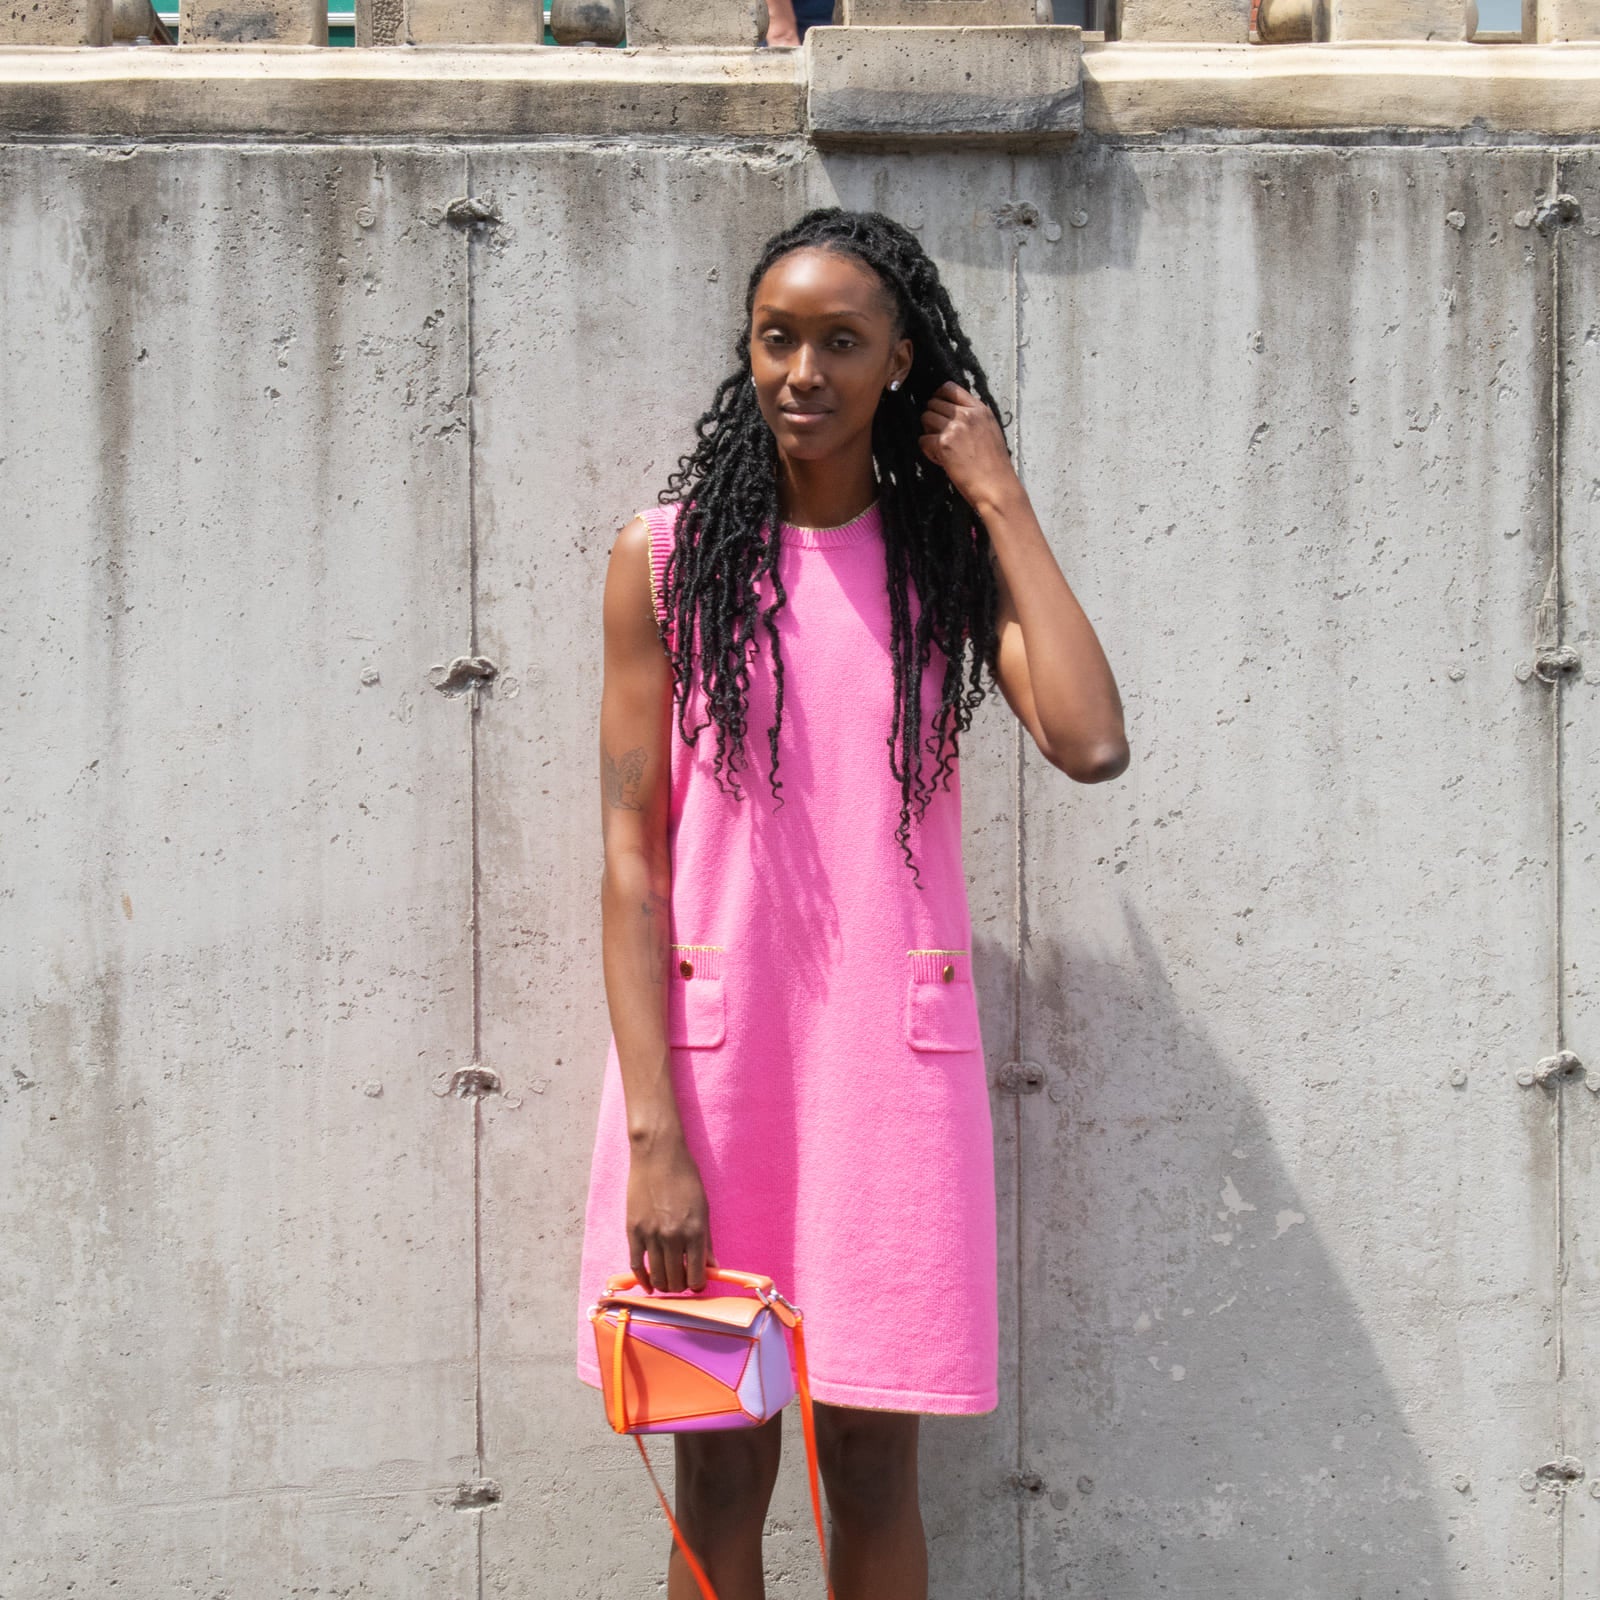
672	1364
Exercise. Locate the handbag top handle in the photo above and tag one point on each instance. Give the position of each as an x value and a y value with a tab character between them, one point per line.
757	1283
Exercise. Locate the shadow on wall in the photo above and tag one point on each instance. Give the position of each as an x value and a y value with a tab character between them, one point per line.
1202	1410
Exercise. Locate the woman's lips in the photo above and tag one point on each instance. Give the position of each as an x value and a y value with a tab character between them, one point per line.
806	419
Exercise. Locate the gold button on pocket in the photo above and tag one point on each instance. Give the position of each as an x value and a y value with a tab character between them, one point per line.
697	1011
941	1005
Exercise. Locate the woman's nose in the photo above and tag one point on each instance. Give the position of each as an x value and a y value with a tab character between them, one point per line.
804	370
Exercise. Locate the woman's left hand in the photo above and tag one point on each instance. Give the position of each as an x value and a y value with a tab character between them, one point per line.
960	434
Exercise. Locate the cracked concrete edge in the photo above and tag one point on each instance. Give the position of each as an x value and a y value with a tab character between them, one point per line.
293	92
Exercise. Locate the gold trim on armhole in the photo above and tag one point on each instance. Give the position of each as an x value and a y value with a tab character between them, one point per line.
655	592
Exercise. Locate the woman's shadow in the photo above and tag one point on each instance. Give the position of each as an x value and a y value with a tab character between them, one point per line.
1201	1410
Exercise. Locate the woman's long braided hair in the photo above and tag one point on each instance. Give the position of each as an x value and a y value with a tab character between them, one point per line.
932	537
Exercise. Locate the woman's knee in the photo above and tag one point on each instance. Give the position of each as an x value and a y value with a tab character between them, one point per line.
728	1475
868	1460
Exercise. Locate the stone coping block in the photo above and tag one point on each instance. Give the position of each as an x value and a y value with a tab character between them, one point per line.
954	85
1344	21
473	22
1195	21
697	22
942	13
1526	91
1561	20
283	94
249	22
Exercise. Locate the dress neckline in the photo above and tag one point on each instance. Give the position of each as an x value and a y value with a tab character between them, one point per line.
864	525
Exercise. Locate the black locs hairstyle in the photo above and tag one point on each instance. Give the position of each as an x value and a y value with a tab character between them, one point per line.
932	537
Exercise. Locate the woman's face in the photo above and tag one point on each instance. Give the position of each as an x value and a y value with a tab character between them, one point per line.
822	349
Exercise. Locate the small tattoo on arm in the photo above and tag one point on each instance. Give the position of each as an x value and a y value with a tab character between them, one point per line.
622	777
655	910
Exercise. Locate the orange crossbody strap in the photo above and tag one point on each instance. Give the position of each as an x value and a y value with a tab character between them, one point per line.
620	1423
677	1533
808	1425
808	1422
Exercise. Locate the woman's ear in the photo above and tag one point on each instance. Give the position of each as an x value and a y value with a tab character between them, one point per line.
902	368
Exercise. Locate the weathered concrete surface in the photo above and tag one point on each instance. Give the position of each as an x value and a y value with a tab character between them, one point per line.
1274	1284
937	13
1001	85
736	23
1572	1121
380	22
1323	886
55	22
470	22
235	872
1197	21
1347	21
233	22
1560	20
443	93
1530	91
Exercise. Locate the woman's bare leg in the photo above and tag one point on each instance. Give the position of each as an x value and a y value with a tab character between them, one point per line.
782	29
724	1486
868	1461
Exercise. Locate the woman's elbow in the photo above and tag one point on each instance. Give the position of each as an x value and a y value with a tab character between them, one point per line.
1097	765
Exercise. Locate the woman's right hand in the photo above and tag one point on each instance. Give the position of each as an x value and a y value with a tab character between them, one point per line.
669	1222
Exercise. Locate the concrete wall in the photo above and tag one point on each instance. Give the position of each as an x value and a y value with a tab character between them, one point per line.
1299	1281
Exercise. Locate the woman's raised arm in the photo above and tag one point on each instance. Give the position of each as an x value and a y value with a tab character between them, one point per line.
1049	663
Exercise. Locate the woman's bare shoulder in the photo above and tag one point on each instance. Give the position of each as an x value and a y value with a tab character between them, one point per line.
630	599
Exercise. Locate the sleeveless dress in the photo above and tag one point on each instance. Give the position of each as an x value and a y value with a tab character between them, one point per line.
826	1054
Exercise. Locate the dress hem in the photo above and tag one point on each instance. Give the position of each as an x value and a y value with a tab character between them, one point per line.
864	1399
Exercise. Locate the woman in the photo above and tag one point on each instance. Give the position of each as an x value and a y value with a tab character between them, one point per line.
795	1072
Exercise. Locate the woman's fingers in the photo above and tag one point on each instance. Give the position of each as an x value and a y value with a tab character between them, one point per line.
637	1264
672	1263
660	1268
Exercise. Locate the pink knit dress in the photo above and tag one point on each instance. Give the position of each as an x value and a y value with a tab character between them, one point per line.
825	1047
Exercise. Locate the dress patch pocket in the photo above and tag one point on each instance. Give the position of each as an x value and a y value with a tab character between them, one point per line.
941	1006
697	1011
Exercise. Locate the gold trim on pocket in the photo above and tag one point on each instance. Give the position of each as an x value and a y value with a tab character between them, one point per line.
941	1005
697	1006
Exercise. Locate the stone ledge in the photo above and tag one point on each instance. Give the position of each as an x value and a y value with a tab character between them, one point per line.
488	91
1311	88
512	92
